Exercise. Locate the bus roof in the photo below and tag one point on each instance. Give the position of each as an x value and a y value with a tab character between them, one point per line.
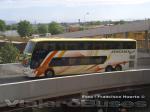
79	39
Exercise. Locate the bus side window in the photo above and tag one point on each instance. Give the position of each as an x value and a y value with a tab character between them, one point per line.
72	46
91	45
127	45
58	46
97	46
80	45
72	61
119	45
132	45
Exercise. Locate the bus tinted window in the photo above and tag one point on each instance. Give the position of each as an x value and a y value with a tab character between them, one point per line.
29	47
129	45
40	52
114	45
70	61
93	45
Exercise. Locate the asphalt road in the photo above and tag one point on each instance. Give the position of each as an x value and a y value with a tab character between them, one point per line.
13	79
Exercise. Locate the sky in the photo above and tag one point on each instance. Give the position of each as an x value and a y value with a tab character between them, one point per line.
45	11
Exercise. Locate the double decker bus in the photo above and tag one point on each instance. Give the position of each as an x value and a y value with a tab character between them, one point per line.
68	56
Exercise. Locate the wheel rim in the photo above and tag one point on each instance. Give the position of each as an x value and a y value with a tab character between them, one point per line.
49	73
109	69
118	68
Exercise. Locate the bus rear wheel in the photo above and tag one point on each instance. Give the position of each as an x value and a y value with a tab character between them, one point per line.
118	68
109	69
49	73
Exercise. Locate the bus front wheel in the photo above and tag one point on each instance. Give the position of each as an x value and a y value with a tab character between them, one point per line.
49	73
109	69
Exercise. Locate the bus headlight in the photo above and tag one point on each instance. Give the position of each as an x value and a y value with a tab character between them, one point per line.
29	72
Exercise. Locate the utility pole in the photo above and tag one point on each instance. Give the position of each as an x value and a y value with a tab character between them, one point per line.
84	25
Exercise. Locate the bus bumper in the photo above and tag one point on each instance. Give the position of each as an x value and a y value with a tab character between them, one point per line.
29	72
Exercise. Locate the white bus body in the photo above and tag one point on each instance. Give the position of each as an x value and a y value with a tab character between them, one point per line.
101	55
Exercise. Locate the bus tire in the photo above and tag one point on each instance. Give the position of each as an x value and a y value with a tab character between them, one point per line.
118	68
49	73
109	68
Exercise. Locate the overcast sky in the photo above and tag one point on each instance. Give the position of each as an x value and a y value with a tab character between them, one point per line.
72	10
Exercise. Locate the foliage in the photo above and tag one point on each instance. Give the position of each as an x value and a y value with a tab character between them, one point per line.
11	27
122	22
2	25
8	53
42	29
14	27
55	28
24	28
94	23
8	27
81	28
35	31
119	22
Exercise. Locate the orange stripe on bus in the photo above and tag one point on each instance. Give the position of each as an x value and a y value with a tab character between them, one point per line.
50	58
114	64
61	54
41	69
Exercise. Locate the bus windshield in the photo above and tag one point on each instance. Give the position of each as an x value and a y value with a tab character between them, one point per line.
29	47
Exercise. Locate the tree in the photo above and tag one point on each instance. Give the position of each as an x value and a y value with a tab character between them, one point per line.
81	28
122	22
97	23
55	28
119	22
14	27
8	53
24	28
11	27
8	27
35	30
2	25
94	23
42	29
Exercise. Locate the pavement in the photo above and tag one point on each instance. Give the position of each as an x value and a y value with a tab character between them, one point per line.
13	70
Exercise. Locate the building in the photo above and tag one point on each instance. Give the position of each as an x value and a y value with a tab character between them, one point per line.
139	30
